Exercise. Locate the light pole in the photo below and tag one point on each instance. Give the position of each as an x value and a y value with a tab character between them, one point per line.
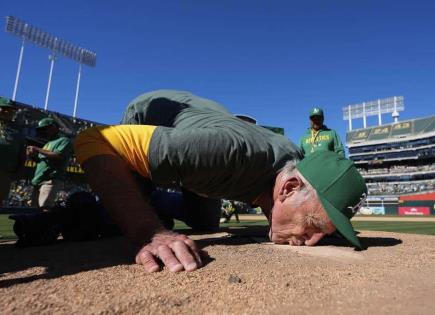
57	46
17	78
377	107
52	59
78	86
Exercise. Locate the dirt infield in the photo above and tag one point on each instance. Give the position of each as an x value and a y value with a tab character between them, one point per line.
244	275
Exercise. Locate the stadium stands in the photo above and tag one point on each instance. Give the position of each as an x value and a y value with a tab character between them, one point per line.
397	158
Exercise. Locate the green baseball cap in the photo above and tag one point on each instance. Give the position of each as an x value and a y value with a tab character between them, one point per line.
5	102
316	111
45	122
339	186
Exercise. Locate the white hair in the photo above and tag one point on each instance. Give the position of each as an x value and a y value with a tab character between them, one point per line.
288	169
307	192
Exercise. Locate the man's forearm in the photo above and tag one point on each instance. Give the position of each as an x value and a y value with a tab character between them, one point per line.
50	154
111	179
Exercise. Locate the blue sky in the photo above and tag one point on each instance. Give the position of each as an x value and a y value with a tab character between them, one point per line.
271	59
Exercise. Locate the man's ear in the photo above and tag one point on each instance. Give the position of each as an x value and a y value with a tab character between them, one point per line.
289	186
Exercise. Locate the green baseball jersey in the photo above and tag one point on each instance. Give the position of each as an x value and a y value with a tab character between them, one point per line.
48	169
163	107
219	156
11	147
324	139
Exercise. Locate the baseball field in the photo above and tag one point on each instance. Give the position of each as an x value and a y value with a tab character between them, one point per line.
243	274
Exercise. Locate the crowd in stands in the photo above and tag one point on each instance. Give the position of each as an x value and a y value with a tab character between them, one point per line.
21	193
392	188
397	146
398	169
28	117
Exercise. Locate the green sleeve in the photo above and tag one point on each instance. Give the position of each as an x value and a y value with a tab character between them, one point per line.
338	146
64	147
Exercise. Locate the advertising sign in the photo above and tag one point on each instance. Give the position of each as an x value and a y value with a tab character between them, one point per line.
380	210
414	211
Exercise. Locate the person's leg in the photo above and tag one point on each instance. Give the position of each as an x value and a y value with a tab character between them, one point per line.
168	206
202	213
35	197
48	192
44	192
199	213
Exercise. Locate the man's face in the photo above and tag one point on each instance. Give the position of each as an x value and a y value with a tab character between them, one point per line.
297	222
316	122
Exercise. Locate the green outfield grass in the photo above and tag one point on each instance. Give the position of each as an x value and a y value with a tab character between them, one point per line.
427	228
6	232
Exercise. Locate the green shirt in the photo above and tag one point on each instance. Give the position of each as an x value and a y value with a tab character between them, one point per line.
162	108
48	169
11	147
219	156
324	139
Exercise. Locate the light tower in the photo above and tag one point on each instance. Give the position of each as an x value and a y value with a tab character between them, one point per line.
378	107
57	46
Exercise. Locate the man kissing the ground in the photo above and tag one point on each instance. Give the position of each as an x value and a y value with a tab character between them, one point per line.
221	157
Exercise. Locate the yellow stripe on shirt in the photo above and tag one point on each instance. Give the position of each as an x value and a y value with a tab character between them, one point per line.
130	142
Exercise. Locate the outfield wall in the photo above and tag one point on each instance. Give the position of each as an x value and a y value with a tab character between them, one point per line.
410	205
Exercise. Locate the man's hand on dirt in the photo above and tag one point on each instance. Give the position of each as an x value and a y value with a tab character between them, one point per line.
176	251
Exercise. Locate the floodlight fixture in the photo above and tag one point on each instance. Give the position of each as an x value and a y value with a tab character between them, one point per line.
57	46
34	35
377	107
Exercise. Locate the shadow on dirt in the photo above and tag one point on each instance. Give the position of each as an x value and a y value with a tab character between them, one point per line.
245	235
62	258
366	242
67	258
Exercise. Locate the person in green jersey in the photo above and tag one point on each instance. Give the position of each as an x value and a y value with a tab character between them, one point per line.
319	137
11	147
51	160
217	156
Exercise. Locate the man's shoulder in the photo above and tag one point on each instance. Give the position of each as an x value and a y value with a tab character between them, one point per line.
327	129
62	138
60	142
